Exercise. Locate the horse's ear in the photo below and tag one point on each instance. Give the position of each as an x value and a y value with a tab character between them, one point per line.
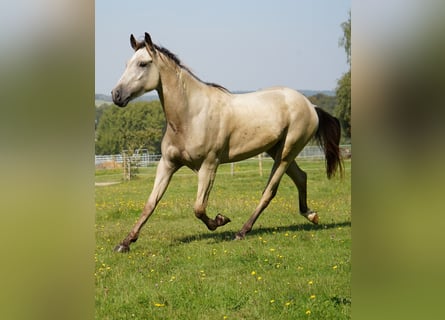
133	42
149	44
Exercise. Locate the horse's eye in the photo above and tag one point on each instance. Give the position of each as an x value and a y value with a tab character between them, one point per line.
143	64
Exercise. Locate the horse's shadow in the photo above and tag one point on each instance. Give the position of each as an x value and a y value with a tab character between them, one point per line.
229	235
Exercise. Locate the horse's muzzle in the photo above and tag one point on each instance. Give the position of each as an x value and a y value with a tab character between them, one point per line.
118	98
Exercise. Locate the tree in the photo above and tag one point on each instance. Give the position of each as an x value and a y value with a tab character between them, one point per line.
343	108
343	90
346	40
324	101
138	126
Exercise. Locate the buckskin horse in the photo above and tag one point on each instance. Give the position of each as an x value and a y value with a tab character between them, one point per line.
206	125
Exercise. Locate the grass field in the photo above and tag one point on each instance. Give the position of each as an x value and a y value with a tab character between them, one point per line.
286	268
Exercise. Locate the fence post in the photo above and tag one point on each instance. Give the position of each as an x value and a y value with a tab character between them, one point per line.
127	166
260	163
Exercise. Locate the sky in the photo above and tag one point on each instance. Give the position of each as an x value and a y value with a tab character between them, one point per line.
241	45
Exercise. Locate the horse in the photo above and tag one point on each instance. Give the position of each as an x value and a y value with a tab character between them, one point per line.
207	125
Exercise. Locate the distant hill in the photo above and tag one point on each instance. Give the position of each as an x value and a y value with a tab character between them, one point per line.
309	93
103	98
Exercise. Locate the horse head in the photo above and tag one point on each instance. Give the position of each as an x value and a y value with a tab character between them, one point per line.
141	74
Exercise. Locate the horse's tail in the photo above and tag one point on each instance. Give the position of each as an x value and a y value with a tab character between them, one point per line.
328	136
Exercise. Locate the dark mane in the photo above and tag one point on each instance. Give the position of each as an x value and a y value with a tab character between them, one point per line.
173	57
176	60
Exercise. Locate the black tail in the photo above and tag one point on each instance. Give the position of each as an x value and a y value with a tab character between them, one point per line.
328	136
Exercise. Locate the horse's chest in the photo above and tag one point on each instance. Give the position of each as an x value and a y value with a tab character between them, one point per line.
184	149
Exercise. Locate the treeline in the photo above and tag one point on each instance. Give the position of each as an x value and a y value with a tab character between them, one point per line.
138	126
141	125
325	102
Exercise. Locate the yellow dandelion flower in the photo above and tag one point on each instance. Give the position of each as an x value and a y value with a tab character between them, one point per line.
259	278
308	312
334	267
287	304
159	305
272	301
310	282
312	296
253	273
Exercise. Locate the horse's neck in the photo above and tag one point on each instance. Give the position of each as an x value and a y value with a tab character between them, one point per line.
176	91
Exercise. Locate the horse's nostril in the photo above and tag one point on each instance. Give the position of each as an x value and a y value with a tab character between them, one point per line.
115	94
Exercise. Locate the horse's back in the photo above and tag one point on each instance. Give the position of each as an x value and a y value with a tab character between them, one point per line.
259	120
276	106
273	98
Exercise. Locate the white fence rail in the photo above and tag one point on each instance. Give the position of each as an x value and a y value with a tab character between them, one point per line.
145	159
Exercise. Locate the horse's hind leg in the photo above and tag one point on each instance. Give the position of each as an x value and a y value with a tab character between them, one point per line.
299	177
206	177
279	168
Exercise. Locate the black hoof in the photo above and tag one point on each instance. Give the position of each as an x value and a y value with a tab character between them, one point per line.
122	248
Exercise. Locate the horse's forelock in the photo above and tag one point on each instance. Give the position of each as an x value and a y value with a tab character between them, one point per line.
140	45
164	51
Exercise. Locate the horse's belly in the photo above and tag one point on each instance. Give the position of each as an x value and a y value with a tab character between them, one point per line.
249	142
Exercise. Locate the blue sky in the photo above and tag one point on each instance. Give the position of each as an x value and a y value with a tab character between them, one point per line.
242	45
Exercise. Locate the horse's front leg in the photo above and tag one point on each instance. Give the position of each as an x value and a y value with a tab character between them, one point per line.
206	177
164	173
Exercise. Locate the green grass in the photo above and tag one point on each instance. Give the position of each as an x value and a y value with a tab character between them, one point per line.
286	268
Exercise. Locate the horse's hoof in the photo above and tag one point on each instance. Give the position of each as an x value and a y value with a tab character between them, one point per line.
122	248
311	216
221	220
239	236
